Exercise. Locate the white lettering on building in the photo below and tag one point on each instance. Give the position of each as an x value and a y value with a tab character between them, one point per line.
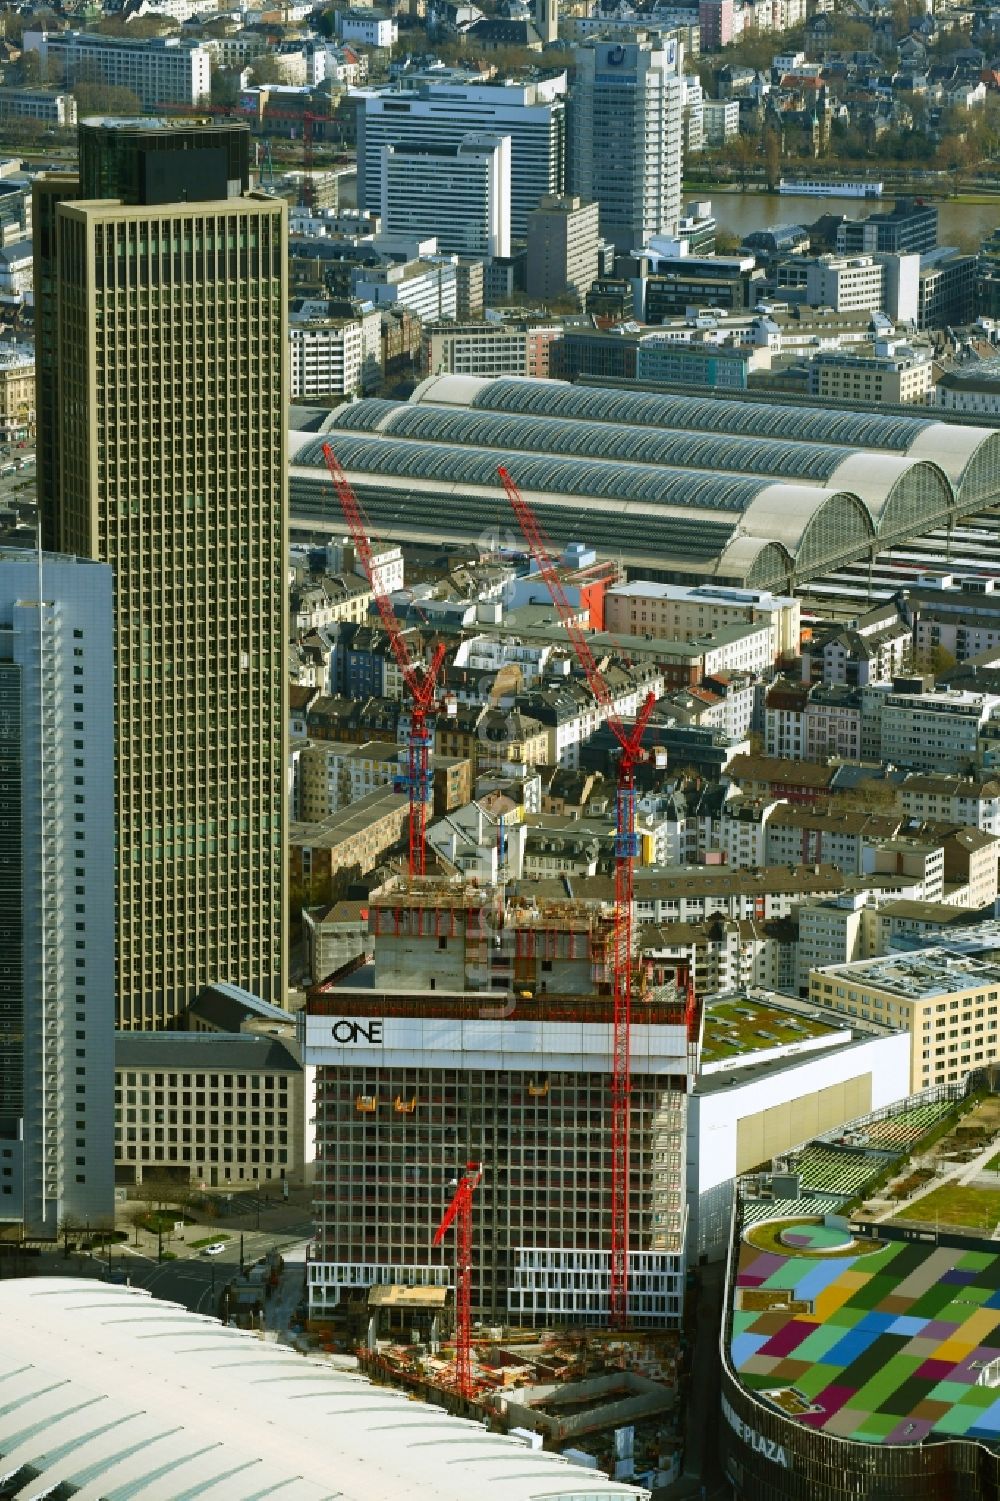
766	1446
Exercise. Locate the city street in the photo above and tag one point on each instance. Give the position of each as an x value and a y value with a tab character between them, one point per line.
192	1279
265	1222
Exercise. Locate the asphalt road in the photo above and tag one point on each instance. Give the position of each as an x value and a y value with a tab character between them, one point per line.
188	1276
193	1279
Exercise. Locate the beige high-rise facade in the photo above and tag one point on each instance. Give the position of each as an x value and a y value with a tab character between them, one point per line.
562	248
161	347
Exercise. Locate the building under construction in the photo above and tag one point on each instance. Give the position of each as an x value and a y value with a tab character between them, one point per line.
483	1032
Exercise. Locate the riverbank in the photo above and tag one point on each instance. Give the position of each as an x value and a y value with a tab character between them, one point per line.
964	221
977	196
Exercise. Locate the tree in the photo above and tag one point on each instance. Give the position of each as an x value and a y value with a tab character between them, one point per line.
156	1193
141	29
136	1216
15	25
955	155
743	151
267	70
30	69
103	99
68	1225
726	243
225	86
102	1233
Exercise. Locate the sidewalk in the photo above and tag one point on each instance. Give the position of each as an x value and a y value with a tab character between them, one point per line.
958	1173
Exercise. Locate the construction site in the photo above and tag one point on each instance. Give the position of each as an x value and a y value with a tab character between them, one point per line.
505	1051
465	1164
483	1033
512	1121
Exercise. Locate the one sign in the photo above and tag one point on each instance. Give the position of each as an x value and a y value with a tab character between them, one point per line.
346	1032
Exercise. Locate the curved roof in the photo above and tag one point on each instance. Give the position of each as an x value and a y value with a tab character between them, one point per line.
111	1395
811	424
671	512
903	496
918	491
968	455
599	479
672	483
511	432
417	509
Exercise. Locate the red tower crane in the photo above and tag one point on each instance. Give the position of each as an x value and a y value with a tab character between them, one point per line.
626	850
460	1211
420	681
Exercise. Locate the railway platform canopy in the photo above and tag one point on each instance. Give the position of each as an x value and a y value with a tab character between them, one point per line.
676	487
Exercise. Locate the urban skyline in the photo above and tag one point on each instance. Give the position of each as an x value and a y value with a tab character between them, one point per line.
500	748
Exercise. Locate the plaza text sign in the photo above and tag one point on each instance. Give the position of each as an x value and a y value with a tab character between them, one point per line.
347	1033
766	1446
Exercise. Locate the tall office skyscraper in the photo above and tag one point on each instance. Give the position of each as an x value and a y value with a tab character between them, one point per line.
442	114
56	902
625	126
161	292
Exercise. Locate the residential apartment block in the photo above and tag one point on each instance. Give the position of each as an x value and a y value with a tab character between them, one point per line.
51	106
17	392
642	607
563	237
626	113
879	374
952	799
331	776
459	193
208	1108
158	70
359	835
532	114
488	349
333	355
935	731
427	287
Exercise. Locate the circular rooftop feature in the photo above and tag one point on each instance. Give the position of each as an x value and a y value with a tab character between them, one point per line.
808	1236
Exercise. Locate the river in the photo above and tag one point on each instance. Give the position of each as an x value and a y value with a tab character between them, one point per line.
962	224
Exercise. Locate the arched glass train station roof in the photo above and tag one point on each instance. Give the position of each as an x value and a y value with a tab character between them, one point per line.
643	511
968	455
899	492
767	495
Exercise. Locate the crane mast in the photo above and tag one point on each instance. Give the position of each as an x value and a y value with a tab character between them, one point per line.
420	682
459	1212
626	851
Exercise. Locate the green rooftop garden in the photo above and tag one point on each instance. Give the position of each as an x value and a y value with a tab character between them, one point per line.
735	1028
